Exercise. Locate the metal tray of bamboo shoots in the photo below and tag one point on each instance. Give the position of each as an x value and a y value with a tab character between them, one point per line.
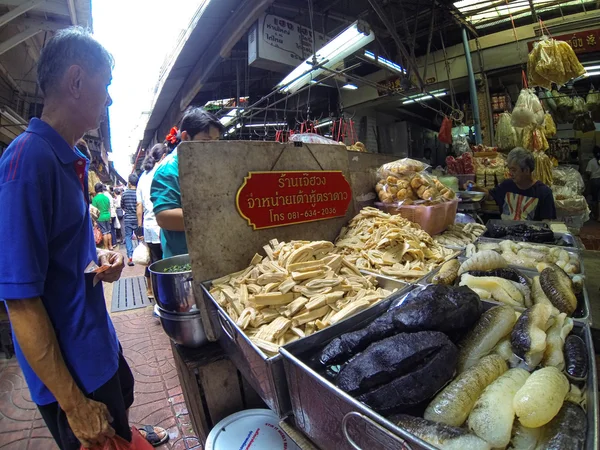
265	373
333	419
582	313
568	238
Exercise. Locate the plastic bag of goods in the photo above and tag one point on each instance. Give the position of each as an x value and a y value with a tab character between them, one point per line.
570	178
506	135
578	106
552	61
445	134
394	180
463	165
543	168
549	126
312	138
408	189
460	145
528	110
547	100
592	101
584	123
405	166
534	139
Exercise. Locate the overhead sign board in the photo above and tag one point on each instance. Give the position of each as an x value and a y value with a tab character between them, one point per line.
275	43
581	42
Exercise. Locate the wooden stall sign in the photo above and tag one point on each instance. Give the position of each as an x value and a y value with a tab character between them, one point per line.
276	199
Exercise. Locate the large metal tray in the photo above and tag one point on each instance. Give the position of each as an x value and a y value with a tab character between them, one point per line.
266	374
333	419
566	237
582	313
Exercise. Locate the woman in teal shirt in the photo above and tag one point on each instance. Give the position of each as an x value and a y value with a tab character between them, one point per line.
165	194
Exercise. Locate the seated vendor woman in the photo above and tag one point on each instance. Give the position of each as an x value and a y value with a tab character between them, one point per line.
521	197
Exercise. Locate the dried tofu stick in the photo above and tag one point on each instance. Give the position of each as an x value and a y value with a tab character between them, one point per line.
309	316
273	298
286	285
257	259
334	296
243	295
318	284
222	280
269	348
371	298
320	324
276	267
316	302
306	266
312	292
269	251
274	243
274	330
267	278
270	287
244	320
300	276
296	306
349	311
298	331
352	267
289	338
328	316
310	328
334	262
254	289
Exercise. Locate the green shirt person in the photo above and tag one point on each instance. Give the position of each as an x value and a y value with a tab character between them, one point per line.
103	204
165	193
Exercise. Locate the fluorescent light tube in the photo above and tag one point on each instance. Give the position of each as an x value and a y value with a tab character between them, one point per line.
424	97
228	118
323	124
593	74
591	67
385	62
350	87
343	45
258	125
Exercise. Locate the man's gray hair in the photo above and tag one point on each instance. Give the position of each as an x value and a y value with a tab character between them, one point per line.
70	46
522	158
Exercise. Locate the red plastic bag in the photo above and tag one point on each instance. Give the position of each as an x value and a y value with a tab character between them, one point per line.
445	134
118	443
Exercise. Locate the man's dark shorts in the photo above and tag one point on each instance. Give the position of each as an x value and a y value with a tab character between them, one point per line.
116	394
104	227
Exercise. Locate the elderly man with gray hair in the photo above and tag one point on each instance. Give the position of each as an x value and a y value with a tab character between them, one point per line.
521	197
64	339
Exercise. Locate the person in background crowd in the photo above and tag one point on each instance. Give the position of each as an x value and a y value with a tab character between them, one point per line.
120	215
593	171
145	209
113	217
129	205
521	197
64	339
102	202
196	125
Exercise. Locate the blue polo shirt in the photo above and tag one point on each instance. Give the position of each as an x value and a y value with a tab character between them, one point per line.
47	243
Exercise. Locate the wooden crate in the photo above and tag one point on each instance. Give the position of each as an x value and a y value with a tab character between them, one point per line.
212	387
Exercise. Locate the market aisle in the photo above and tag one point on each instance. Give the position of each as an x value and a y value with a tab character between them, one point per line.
158	397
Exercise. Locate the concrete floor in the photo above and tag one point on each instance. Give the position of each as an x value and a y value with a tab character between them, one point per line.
158	397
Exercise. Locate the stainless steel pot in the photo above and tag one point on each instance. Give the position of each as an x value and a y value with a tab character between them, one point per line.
183	328
173	291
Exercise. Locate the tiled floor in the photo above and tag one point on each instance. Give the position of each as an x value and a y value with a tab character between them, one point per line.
158	397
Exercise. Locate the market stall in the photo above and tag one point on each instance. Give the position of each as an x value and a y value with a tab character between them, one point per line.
306	305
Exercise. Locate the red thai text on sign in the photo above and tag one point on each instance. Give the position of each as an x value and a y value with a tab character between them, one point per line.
275	199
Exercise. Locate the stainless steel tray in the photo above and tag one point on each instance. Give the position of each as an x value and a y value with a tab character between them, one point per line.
582	313
264	373
333	419
567	237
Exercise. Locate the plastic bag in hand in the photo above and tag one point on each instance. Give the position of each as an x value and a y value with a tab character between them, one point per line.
506	135
141	255
528	110
445	134
118	443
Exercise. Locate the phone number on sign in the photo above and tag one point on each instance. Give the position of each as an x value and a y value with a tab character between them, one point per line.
295	215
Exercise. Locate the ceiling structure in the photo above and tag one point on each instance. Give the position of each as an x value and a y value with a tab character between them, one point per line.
404	30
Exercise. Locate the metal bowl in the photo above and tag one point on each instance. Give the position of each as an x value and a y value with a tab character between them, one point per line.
471	196
173	291
183	328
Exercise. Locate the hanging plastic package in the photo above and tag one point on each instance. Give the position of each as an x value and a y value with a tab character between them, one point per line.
534	139
506	135
549	126
548	100
578	106
539	59
584	123
460	145
592	101
552	61
543	168
445	134
528	110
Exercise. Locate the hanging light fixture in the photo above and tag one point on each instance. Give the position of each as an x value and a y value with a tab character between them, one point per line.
353	38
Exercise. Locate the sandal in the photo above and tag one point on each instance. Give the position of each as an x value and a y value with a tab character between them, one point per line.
152	437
